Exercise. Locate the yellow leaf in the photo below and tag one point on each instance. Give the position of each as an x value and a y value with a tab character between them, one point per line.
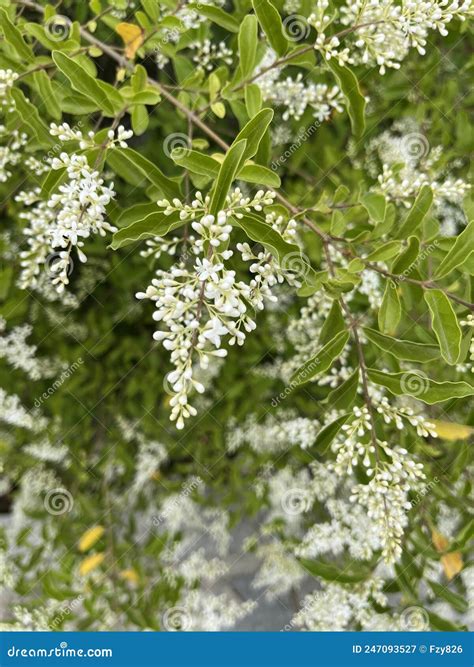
90	563
452	431
90	537
132	36
440	542
129	575
452	564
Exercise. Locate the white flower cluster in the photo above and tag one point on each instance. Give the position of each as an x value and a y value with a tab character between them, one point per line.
295	95
208	55
402	161
72	213
14	413
19	354
200	305
65	132
7	79
338	607
10	155
383	31
208	612
274	434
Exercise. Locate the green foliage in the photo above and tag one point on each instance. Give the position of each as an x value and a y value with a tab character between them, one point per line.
367	236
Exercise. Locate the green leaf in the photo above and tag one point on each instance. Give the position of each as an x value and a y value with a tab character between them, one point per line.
255	173
417	384
330	572
443	625
139	119
322	360
288	255
342	397
387	251
30	116
355	100
135	213
154	224
83	82
270	20
403	349
462	248
445	325
375	205
217	16
197	163
47	94
51	181
126	159
327	434
405	260
390	310
248	40
14	38
226	175
455	600
253	99
333	324
417	213
253	132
